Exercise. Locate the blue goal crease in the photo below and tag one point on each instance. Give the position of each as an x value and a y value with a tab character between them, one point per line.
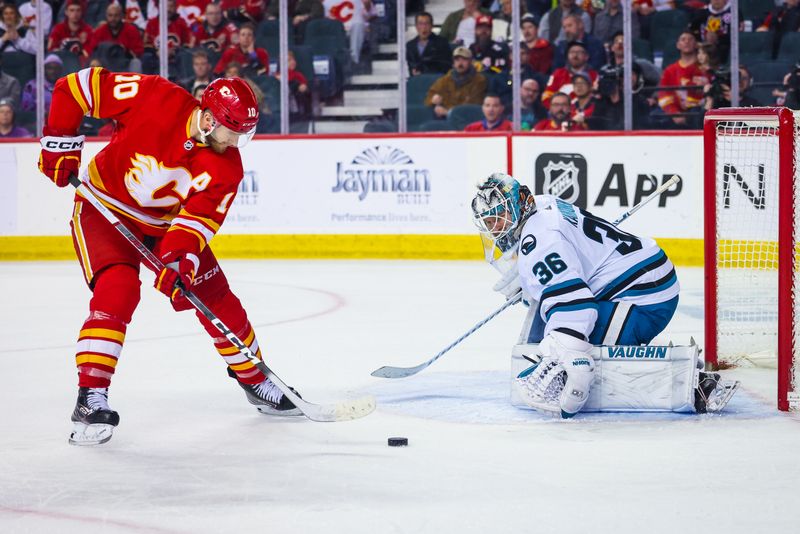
483	397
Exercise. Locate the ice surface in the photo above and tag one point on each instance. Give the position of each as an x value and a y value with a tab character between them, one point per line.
190	455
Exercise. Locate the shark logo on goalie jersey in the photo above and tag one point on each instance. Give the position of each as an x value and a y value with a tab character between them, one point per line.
528	244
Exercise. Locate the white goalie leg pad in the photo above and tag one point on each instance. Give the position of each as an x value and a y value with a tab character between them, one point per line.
533	308
629	378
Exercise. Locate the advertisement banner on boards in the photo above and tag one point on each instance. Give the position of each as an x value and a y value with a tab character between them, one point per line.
8	183
366	185
609	174
423	185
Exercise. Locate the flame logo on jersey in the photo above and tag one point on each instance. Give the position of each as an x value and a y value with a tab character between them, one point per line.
154	185
343	12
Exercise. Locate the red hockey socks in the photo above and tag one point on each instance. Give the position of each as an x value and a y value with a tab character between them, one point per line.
230	311
246	372
116	295
99	347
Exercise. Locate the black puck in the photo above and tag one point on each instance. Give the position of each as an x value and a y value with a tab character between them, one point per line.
398	442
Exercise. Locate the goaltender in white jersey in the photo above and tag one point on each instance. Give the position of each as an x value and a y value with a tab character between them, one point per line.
589	286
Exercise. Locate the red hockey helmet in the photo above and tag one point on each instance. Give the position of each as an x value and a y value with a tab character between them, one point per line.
235	110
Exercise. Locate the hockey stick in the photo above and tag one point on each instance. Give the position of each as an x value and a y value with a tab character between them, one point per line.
341	411
388	371
666	185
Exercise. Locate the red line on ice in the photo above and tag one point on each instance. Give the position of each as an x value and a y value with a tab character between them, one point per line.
83	519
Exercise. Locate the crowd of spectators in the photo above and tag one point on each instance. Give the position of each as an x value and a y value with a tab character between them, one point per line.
570	49
572	54
206	39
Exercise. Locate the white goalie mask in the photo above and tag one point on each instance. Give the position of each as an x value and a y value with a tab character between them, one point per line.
498	211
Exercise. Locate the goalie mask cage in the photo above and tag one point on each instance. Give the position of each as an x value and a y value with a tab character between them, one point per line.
751	265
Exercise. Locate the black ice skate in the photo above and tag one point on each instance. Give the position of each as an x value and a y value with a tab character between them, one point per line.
268	398
93	420
713	393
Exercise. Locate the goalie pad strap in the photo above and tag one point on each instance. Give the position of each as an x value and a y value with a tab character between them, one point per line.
616	324
527	324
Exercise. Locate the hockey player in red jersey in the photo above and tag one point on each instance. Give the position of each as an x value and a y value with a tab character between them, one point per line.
170	173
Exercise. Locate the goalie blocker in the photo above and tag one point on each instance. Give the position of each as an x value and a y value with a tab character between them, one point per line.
642	378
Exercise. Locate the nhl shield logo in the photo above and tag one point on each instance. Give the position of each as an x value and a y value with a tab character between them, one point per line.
188	145
562	175
561	180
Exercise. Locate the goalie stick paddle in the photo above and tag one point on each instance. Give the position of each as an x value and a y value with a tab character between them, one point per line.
340	411
388	371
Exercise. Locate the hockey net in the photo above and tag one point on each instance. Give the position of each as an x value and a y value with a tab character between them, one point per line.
751	195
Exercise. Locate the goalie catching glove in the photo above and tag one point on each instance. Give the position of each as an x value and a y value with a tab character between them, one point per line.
60	157
559	384
178	267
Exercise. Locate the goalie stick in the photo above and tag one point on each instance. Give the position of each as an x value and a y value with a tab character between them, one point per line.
389	371
340	411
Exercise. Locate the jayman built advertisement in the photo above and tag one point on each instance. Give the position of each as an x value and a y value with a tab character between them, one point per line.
367	185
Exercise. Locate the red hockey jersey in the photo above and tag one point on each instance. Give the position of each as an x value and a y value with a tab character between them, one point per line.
152	171
549	125
220	38
178	33
561	82
676	101
481	126
257	60
127	36
191	10
62	37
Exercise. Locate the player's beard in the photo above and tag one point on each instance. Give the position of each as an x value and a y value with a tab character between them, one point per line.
216	146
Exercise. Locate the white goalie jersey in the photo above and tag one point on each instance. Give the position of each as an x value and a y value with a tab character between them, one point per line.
569	259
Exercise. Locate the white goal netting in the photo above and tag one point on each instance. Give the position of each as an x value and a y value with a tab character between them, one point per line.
747	241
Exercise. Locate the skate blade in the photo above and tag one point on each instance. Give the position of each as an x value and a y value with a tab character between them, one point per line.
722	396
95	434
266	410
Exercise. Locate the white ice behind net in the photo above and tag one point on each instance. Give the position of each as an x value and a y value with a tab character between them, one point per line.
747	241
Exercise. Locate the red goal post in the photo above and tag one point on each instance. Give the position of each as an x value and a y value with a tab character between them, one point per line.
751	285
